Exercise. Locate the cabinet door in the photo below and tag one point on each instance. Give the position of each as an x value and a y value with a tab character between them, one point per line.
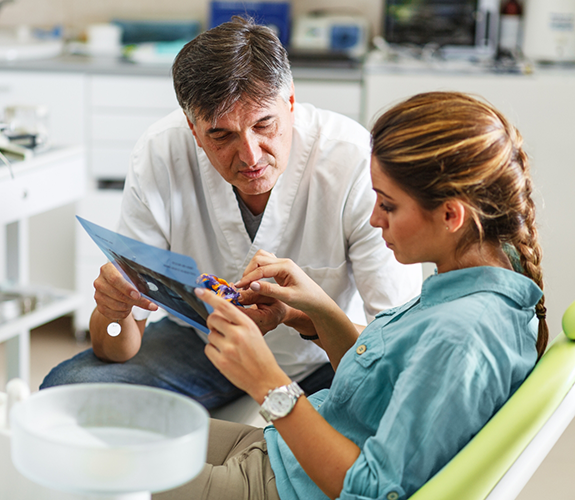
339	96
62	93
121	109
509	93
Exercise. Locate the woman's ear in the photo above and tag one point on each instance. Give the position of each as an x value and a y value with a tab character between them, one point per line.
454	214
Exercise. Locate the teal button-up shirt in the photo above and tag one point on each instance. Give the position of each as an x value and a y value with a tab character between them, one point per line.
421	381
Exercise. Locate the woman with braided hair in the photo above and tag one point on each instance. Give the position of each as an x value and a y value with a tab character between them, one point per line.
453	188
461	147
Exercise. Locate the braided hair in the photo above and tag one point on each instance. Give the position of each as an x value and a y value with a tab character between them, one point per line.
442	145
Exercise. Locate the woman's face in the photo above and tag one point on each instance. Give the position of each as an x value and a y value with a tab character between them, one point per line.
411	232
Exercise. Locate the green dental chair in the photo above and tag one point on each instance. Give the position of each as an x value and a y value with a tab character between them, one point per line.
501	458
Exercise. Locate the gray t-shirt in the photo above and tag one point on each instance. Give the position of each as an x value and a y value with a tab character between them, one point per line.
251	221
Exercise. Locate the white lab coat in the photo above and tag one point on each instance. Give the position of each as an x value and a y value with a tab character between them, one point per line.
317	215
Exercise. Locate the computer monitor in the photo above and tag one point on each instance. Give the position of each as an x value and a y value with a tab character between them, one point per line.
459	27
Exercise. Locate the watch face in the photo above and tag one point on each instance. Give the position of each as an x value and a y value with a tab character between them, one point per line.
280	403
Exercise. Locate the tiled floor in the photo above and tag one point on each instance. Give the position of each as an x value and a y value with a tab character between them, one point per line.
55	342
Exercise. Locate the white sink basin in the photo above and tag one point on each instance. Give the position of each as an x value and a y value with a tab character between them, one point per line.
20	45
108	439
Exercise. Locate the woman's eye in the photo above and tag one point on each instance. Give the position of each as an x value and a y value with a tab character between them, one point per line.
385	208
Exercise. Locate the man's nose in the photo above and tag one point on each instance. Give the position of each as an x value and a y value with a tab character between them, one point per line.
250	151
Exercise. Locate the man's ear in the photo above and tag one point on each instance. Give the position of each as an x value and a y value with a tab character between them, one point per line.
291	102
454	214
292	97
193	129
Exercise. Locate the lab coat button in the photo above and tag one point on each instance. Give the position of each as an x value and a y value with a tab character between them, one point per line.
392	495
360	350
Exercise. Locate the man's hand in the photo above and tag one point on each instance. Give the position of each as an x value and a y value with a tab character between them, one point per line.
265	312
115	296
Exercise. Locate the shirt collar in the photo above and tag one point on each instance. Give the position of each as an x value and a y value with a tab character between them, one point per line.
452	285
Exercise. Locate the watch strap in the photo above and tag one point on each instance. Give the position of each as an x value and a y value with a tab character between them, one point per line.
292	390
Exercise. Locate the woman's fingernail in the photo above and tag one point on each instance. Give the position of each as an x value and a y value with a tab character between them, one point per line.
134	295
200	291
255	286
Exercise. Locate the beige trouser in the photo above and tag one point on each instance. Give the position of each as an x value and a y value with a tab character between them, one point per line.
237	468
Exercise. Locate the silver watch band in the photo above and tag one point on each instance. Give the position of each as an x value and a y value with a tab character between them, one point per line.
291	391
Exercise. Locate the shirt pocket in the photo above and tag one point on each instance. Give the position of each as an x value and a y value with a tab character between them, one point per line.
335	280
356	365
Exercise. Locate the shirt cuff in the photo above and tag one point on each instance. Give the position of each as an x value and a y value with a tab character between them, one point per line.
140	314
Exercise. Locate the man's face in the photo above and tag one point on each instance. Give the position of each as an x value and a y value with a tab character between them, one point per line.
250	146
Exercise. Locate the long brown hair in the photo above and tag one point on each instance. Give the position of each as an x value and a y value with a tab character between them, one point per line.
442	145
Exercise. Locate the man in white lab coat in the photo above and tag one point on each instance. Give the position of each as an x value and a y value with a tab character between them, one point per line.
242	168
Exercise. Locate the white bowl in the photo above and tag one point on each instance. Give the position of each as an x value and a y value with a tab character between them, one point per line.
109	438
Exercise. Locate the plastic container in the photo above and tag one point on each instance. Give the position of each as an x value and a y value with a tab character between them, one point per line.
108	439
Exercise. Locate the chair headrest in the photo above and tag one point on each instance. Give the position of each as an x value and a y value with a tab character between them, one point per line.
568	322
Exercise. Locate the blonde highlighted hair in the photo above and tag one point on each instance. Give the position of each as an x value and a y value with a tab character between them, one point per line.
442	145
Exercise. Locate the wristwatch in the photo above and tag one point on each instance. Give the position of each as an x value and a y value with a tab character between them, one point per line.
280	401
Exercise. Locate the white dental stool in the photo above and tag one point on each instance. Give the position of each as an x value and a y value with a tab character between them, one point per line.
98	442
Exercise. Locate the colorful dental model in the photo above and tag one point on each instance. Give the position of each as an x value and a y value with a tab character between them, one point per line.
221	287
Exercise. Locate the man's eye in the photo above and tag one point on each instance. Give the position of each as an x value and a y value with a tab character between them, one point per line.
220	138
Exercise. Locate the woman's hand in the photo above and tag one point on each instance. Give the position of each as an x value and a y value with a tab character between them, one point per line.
293	286
238	350
311	311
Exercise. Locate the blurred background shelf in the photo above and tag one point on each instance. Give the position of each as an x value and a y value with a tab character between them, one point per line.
45	182
52	304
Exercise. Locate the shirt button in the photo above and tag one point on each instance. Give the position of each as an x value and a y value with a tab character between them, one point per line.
360	350
392	495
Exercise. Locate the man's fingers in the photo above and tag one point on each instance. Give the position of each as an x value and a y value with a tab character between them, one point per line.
249	297
116	280
112	284
144	303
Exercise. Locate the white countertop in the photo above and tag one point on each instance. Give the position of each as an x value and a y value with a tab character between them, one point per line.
375	63
48	180
120	66
378	63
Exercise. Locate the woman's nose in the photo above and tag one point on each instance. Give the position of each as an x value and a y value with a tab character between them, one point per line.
378	219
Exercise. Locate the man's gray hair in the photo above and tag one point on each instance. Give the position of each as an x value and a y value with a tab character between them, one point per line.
235	60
